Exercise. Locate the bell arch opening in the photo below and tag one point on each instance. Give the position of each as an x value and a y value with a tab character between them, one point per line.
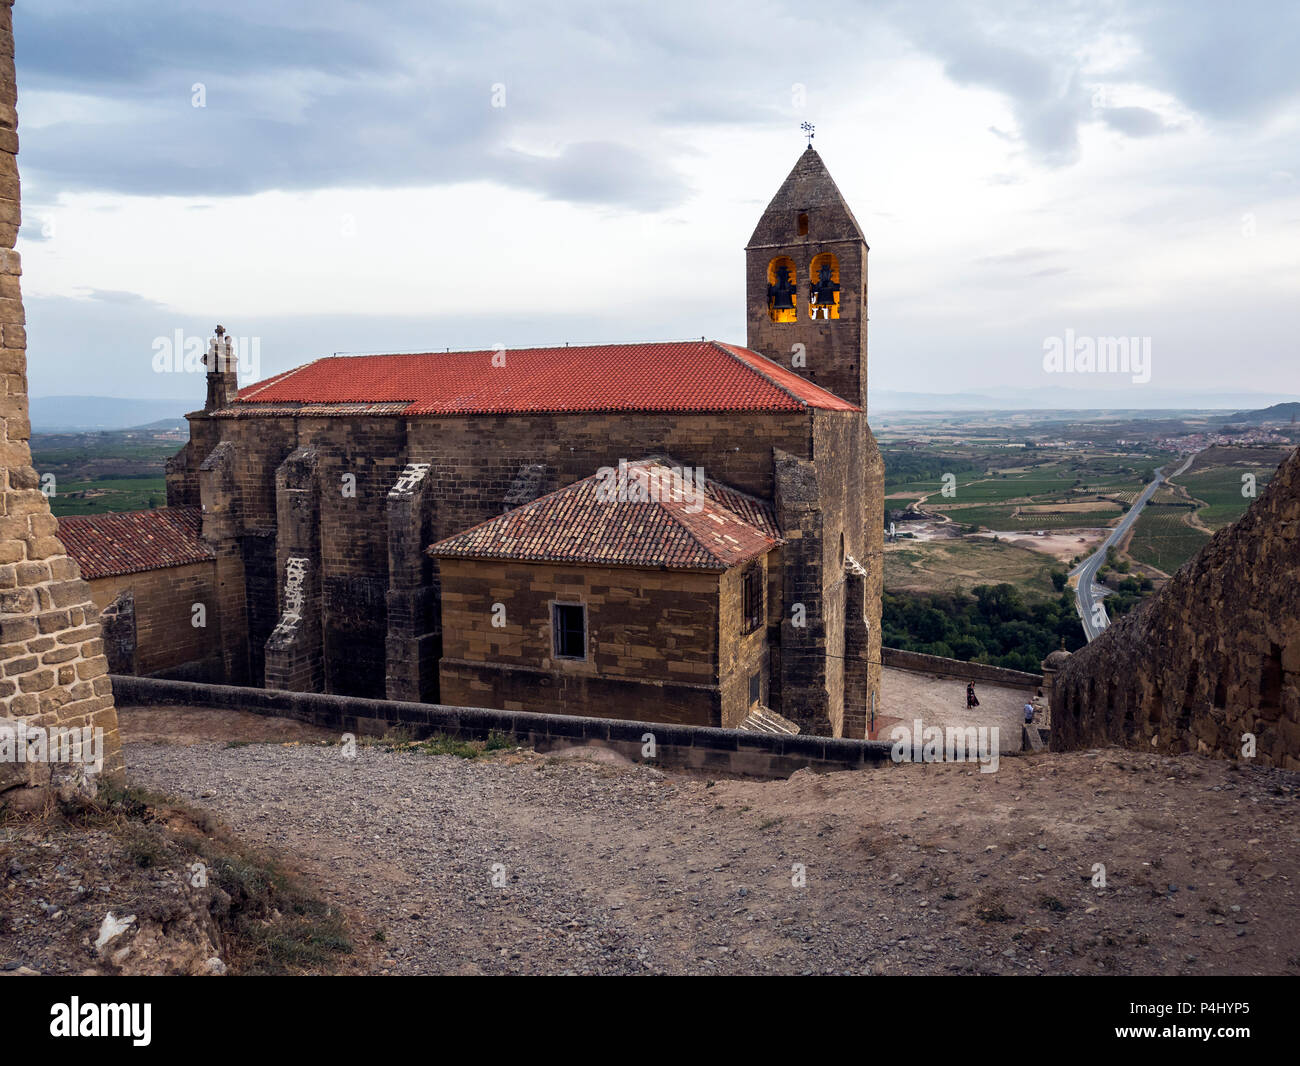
824	287
782	290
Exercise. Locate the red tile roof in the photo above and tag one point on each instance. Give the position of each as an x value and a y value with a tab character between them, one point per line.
675	376
106	545
597	522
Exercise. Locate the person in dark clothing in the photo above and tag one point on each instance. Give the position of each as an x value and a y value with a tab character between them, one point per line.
971	700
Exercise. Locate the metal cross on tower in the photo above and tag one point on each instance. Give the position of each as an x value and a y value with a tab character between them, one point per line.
808	128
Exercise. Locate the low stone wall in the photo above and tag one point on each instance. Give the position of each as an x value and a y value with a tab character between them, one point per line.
937	664
731	751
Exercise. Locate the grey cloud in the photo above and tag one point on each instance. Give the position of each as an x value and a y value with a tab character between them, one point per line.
110	48
1020	255
1227	61
32	229
118	296
600	173
345	97
1135	121
1041	84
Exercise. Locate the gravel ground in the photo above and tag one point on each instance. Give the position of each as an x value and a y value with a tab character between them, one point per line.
906	695
611	868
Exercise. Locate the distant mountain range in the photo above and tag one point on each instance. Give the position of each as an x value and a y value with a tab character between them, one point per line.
81	414
1060	398
1279	412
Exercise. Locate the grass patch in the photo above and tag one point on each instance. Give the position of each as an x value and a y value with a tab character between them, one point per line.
400	739
271	924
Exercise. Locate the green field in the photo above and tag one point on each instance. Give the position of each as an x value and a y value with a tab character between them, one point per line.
991	495
1162	537
119	494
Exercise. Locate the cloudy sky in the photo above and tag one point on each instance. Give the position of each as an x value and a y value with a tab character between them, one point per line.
407	174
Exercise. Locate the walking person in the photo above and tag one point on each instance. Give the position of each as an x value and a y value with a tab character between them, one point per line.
1029	713
971	699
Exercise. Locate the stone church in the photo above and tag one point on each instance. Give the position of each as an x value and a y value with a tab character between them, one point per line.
683	532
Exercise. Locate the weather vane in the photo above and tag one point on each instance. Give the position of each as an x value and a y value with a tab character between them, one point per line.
808	128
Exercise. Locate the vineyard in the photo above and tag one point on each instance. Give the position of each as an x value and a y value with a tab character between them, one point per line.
1162	538
1221	490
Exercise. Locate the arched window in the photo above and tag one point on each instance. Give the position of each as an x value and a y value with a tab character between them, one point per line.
824	287
782	290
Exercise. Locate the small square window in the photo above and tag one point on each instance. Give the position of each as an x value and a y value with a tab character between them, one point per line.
569	623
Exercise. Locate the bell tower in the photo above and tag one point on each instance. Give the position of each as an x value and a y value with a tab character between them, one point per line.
806	283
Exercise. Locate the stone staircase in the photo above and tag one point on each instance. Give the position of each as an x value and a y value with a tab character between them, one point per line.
765	720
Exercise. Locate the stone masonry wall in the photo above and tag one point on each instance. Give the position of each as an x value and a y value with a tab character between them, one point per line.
1215	655
652	639
475	466
165	637
741	654
380	619
54	670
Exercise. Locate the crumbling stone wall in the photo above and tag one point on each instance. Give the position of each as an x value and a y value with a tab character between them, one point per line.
51	651
117	624
1214	656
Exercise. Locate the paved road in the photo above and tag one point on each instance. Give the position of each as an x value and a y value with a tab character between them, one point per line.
1087	597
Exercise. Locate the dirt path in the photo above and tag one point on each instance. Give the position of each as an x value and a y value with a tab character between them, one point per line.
912	869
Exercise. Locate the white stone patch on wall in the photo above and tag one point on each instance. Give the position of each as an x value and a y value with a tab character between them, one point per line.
295	576
409	479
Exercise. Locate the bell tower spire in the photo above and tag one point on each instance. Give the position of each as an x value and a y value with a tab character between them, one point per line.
806	282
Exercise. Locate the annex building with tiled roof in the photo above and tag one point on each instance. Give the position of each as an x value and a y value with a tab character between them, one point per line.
153	577
130	542
432	526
